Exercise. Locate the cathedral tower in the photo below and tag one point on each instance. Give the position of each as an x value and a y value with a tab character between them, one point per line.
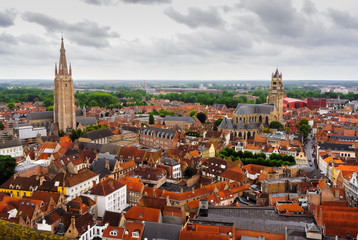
275	95
64	99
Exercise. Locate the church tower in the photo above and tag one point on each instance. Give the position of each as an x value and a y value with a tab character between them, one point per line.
64	99
275	95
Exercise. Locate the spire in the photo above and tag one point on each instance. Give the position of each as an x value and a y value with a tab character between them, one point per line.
55	68
277	74
70	70
63	64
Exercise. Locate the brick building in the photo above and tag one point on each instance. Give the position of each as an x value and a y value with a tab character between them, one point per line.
160	138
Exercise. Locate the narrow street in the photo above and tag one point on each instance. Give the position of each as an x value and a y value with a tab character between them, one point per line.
310	151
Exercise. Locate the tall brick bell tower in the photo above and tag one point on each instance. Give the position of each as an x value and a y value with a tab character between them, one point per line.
64	99
275	95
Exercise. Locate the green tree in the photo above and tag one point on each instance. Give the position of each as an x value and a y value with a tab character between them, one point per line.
61	133
151	119
2	126
266	130
192	113
76	134
189	172
218	122
202	117
11	105
276	125
50	108
304	128
48	102
7	167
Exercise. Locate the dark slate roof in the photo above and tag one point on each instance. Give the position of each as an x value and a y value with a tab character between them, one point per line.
97	134
314	174
87	121
337	147
91	146
179	119
161	133
10	143
169	162
257	219
40	115
243	109
99	166
344	138
163	231
131	129
172	187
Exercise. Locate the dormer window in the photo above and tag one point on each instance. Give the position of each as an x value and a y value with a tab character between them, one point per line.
135	234
113	233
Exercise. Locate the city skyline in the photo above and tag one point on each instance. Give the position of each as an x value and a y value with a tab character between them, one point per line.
171	39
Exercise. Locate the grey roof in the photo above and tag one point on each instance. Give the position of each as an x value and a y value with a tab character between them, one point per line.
257	219
91	146
161	133
223	123
10	143
41	115
243	109
344	138
172	187
99	166
87	121
169	161
337	147
162	231
131	129
314	174
97	134
230	124
179	119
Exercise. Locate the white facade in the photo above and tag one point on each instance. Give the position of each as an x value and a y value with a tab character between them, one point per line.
115	201
26	132
80	188
177	171
14	151
351	189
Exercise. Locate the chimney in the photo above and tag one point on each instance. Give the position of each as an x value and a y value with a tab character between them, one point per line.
42	179
107	164
192	189
181	190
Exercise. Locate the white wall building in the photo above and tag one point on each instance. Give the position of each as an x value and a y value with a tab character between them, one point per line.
12	148
110	195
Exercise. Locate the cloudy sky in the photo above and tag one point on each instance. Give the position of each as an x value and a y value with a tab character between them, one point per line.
180	39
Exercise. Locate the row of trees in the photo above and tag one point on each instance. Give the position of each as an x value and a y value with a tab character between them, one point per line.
247	157
206	98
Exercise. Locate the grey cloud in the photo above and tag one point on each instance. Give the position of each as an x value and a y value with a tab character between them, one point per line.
343	18
279	17
7	18
197	18
83	33
115	2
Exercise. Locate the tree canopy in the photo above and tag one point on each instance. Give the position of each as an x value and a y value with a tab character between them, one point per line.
276	125
247	157
304	128
7	167
202	117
